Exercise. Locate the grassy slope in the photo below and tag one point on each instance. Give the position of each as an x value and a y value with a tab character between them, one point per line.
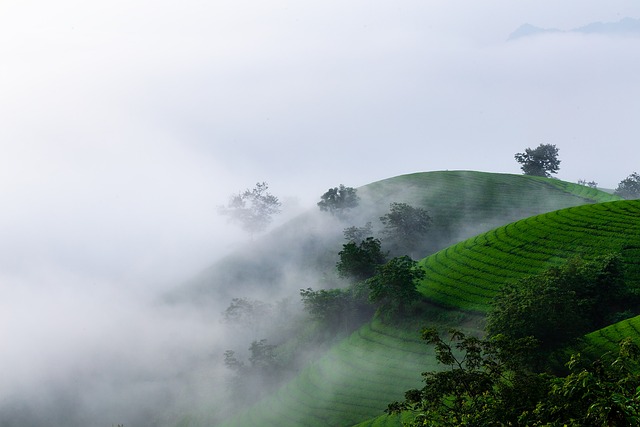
607	339
469	274
360	376
461	203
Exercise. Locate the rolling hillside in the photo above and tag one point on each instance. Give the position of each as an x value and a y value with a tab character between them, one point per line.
356	379
469	274
461	203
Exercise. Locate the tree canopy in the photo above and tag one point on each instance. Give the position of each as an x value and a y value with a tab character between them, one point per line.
489	382
541	161
339	200
358	261
405	226
252	208
629	188
561	303
393	288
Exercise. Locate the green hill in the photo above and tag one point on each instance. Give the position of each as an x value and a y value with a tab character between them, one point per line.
357	378
469	274
461	203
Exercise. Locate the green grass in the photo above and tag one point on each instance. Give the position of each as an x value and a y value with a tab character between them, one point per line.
354	381
607	339
469	274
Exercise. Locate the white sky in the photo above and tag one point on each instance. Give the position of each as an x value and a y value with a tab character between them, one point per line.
125	123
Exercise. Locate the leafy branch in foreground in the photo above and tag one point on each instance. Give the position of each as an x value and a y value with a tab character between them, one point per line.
489	382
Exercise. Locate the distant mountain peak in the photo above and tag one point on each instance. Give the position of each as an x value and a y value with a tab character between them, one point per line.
527	30
625	26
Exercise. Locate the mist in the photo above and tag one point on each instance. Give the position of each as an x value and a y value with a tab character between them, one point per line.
125	124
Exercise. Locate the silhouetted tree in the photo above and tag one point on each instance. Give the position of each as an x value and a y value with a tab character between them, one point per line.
336	309
562	303
339	200
359	261
590	184
629	188
252	208
541	161
393	288
406	227
489	382
260	373
357	234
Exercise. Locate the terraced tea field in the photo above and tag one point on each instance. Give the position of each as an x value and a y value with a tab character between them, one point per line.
607	339
469	274
354	381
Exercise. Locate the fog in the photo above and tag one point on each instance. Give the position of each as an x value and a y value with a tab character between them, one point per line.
125	124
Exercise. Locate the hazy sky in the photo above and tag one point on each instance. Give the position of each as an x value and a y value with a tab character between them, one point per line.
125	123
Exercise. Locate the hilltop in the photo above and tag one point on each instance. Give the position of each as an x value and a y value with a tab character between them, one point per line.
461	203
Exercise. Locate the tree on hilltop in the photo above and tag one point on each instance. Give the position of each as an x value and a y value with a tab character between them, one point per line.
252	208
541	161
339	200
629	188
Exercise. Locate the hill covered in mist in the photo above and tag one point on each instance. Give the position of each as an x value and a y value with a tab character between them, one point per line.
303	252
360	375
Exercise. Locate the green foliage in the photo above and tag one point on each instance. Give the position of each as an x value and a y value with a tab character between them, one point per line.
406	226
604	393
470	274
357	234
339	200
393	288
358	261
541	161
561	303
335	309
629	188
252	208
489	382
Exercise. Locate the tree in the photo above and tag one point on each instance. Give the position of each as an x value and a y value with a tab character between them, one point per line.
541	161
605	392
487	382
335	309
260	373
357	234
406	226
629	188
252	208
247	313
339	200
562	303
490	382
359	261
393	288
590	184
